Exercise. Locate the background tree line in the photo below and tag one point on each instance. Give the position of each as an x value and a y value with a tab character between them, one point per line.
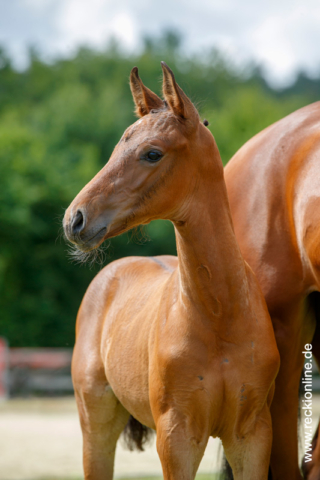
59	123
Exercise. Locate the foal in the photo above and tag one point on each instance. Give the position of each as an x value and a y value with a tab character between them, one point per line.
184	345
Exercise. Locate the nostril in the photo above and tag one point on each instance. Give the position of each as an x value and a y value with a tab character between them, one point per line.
77	224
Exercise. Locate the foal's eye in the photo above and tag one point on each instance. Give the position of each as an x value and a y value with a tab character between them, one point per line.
153	156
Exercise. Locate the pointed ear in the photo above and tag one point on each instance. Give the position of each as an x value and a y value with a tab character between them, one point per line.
144	99
178	101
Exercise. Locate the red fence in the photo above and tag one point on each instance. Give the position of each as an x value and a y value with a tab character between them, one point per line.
42	371
35	358
4	369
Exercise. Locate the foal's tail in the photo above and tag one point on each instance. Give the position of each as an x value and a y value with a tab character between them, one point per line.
136	435
226	472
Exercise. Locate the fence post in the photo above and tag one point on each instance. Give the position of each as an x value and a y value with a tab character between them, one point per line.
4	369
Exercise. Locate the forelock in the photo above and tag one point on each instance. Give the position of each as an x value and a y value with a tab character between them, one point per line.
160	119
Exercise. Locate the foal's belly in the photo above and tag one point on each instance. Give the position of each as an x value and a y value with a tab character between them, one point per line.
127	339
127	335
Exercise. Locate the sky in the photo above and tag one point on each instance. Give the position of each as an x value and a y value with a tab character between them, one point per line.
283	36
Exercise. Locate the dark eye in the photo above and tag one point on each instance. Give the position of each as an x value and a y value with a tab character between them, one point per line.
153	156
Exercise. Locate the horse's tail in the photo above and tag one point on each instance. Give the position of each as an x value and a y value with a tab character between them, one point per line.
226	472
136	435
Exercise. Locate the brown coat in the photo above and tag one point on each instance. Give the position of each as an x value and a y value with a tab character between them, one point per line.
185	345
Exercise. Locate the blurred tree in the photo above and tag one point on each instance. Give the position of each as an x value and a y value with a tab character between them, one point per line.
59	123
246	112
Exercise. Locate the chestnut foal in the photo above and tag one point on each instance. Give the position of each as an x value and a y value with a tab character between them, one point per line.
273	183
184	345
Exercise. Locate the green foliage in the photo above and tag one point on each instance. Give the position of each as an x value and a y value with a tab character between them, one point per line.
59	123
246	112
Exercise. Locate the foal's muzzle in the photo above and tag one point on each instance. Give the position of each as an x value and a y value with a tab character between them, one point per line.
78	232
74	225
77	223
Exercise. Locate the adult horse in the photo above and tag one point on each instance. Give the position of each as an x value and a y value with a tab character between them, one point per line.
183	345
273	183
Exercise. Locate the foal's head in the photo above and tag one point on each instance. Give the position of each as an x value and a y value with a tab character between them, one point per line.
153	171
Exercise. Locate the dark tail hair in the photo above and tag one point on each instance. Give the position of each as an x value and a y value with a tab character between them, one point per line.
226	472
136	435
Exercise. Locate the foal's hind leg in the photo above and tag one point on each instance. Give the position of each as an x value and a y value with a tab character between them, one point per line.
102	418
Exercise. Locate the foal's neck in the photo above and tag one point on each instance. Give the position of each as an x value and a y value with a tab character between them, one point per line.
212	271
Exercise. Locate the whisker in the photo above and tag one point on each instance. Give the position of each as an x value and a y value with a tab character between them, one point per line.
139	235
58	219
94	257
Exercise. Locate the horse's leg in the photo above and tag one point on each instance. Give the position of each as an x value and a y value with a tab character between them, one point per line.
311	469
249	453
180	444
292	332
284	410
102	417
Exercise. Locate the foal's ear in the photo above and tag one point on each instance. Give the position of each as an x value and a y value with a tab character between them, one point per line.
178	101
144	99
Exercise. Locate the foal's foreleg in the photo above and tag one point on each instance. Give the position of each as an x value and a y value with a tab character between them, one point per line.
249	453
102	420
102	417
180	444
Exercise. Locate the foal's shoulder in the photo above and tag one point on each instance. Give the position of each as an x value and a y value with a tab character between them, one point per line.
125	277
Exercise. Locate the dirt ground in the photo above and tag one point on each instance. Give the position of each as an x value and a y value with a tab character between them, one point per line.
41	439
